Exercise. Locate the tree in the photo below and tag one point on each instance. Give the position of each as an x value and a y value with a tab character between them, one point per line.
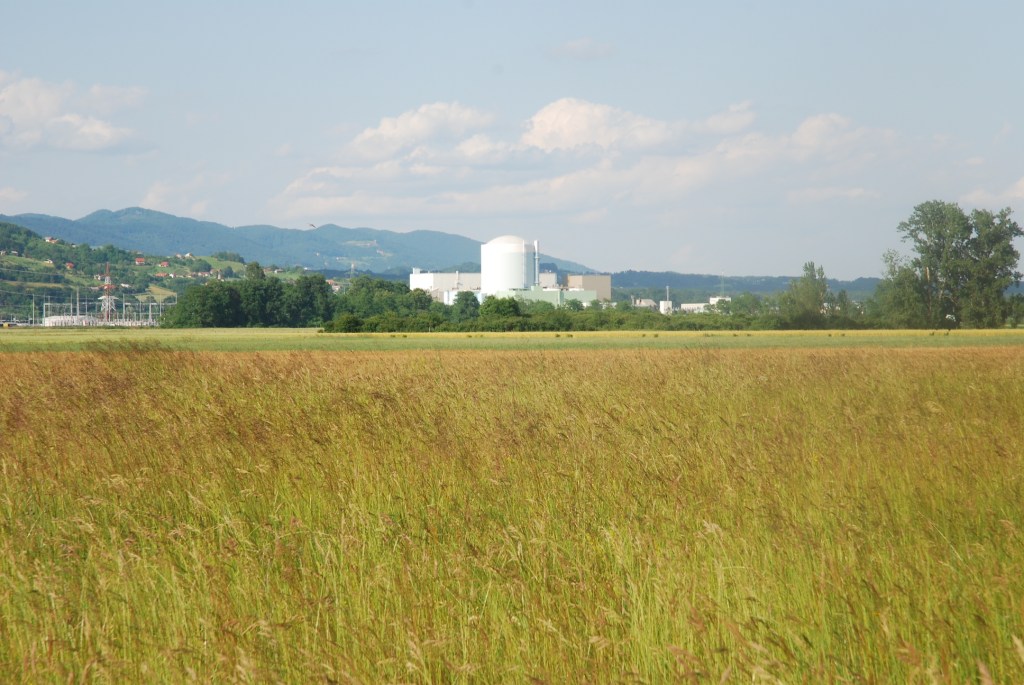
367	296
899	300
843	313
345	323
465	307
309	301
228	256
254	272
994	262
805	303
964	263
262	298
573	305
500	307
215	304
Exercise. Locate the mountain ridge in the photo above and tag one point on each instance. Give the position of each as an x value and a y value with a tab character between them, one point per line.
327	246
334	248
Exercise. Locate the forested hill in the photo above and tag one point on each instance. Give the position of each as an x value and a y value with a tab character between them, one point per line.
708	284
324	247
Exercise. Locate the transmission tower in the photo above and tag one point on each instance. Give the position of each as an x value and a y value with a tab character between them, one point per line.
108	308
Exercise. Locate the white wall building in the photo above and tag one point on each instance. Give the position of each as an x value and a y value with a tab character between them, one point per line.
443	286
701	307
508	263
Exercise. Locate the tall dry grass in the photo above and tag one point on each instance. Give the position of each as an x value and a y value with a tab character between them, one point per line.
459	516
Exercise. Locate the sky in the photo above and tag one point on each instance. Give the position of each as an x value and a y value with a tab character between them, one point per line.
735	138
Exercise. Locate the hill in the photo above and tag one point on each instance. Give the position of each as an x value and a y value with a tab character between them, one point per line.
334	250
700	286
324	247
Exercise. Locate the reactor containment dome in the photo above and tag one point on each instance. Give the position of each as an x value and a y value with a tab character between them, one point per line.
508	263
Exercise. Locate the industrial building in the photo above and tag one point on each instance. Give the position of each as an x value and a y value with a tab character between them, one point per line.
599	283
702	307
444	286
510	267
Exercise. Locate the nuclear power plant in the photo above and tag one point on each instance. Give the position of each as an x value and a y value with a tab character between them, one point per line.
508	263
510	267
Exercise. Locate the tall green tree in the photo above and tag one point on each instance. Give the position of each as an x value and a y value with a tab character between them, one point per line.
465	307
964	264
309	301
805	303
500	307
899	300
994	261
262	298
216	305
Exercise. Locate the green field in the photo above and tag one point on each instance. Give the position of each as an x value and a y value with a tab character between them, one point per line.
287	506
285	339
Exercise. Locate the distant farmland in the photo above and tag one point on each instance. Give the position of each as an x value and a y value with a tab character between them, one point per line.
671	509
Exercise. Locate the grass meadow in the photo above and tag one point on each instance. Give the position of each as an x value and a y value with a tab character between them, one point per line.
310	339
789	512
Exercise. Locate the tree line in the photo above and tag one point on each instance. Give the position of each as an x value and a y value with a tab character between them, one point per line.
962	267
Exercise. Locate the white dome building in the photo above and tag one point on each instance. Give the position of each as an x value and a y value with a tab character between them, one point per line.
508	263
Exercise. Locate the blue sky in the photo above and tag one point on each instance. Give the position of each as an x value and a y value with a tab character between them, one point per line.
742	138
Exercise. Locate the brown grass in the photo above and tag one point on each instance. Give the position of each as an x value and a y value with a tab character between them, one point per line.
481	516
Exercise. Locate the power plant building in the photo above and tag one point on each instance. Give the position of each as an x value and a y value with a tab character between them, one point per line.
444	287
508	263
510	267
599	283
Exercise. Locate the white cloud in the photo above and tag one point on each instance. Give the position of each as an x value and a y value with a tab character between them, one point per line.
593	216
439	119
582	163
335	178
109	99
188	198
75	132
1012	195
569	123
734	119
811	195
480	148
9	194
833	135
583	49
34	112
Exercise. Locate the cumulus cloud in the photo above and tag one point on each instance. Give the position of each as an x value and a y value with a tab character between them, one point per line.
580	161
583	49
34	112
570	123
481	149
826	134
428	122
